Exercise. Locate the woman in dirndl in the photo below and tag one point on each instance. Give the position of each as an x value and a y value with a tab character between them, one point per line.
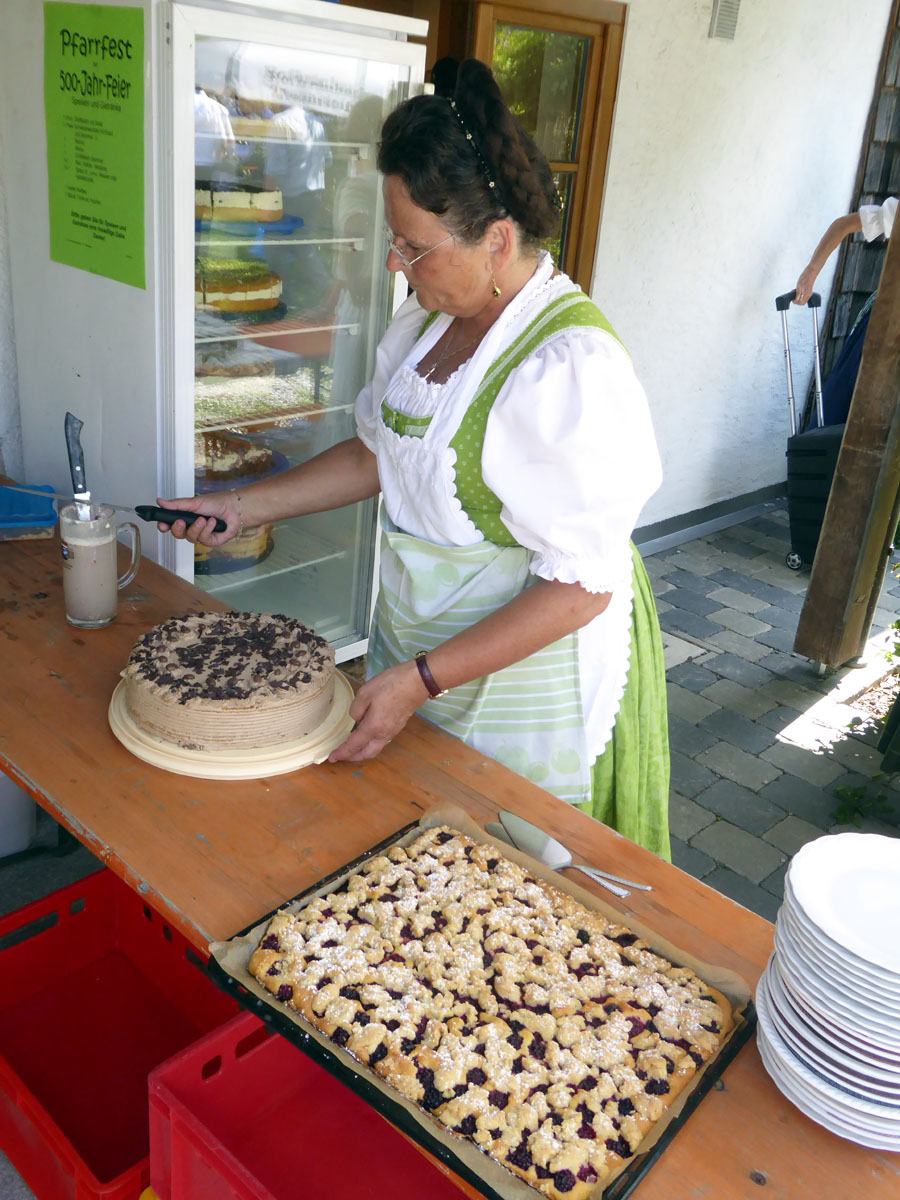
511	442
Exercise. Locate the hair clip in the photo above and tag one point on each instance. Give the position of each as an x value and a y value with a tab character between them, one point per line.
485	169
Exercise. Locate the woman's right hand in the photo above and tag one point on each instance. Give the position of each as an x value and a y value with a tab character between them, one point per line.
805	285
211	506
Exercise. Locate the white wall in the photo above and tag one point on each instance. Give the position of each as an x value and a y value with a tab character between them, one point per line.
728	161
10	423
70	325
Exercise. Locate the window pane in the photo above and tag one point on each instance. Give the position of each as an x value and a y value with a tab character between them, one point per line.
557	247
541	75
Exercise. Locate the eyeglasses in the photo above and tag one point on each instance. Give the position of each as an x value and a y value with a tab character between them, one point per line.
411	262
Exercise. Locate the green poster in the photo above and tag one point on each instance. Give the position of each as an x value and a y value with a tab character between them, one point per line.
94	98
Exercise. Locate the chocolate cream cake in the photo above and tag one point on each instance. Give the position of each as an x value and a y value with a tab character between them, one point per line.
551	1037
229	680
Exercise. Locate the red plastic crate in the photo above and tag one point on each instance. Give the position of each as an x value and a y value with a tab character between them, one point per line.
244	1115
95	991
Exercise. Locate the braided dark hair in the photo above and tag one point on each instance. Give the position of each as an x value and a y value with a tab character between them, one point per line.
469	161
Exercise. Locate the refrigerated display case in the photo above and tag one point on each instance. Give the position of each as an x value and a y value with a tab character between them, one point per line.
178	394
290	291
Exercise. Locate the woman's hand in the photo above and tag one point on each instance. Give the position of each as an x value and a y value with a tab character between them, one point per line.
216	504
805	285
381	709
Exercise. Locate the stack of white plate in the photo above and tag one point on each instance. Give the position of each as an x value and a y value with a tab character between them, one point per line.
829	1000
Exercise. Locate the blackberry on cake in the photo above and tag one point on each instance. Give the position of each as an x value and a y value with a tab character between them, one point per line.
548	1035
224	680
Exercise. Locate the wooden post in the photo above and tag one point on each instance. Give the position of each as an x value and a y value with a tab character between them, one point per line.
857	529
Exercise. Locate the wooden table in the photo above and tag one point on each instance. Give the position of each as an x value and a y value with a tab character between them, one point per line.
212	857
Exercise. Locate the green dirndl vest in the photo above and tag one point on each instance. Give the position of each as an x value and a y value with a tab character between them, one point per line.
627	787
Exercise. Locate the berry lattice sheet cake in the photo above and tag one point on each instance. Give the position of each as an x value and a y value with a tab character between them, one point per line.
552	1038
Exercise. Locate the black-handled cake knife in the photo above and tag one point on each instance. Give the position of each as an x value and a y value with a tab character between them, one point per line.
147	512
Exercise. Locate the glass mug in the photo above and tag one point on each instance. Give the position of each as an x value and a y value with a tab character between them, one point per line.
90	582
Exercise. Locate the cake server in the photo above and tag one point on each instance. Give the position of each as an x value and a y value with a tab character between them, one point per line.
147	512
546	849
496	830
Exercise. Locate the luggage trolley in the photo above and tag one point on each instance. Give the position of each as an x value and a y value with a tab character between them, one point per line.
811	454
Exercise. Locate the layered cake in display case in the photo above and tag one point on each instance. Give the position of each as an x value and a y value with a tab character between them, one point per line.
235	285
551	1037
237	202
215	681
224	460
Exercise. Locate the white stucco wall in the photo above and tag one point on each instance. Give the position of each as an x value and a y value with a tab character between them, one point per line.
10	423
728	160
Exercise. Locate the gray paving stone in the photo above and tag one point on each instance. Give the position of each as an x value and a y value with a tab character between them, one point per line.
805	800
858	757
735	848
749	770
814	768
662	606
774	883
686	579
756	898
698	562
779	576
778	639
739	622
791	693
737	644
688	739
778	718
693	602
779	617
691	676
732	667
686	817
688	705
731	727
730	597
729	694
766	525
797	668
792	833
680	621
687	776
689	859
732	545
740	806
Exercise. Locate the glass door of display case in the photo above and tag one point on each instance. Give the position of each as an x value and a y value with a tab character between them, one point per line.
290	291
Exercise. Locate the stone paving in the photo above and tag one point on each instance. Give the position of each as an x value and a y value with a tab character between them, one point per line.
764	749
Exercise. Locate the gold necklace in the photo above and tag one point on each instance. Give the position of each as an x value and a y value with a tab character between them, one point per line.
449	352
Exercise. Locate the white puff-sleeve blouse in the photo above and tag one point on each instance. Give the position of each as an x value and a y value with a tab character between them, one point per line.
569	447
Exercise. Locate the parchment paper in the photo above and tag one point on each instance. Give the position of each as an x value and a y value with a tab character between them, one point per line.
233	957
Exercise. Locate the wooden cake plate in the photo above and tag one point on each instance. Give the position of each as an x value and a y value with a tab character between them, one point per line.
239	763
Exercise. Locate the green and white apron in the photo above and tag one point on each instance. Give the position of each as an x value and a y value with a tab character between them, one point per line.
529	716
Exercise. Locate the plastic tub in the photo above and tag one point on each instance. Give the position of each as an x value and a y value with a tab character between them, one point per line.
95	991
244	1115
18	817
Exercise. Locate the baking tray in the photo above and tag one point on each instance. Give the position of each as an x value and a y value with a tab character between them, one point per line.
416	1124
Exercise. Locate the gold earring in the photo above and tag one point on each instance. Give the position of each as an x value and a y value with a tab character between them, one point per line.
497	292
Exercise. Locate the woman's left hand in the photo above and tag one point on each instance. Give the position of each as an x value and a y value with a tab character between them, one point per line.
381	708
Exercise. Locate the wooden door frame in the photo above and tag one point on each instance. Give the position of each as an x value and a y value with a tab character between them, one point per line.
603	22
